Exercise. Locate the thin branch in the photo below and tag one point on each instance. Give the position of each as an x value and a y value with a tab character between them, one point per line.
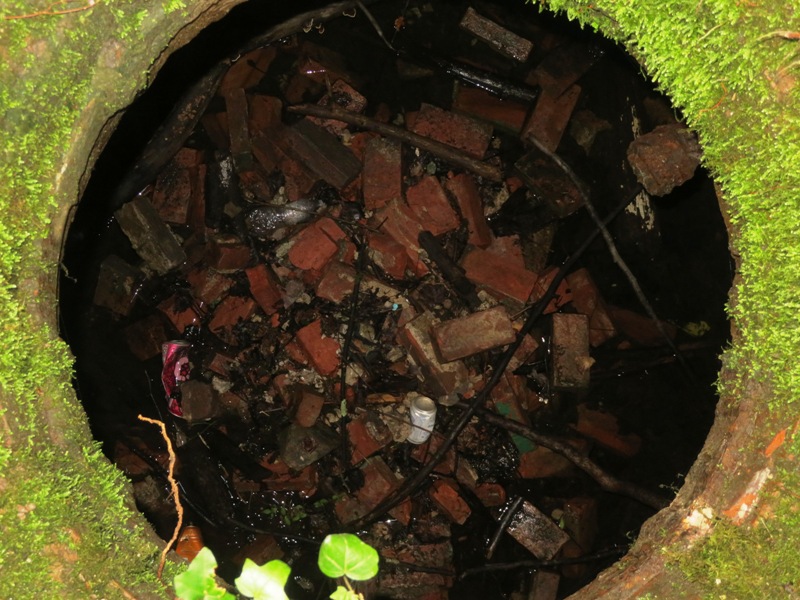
543	564
175	493
50	11
443	151
501	526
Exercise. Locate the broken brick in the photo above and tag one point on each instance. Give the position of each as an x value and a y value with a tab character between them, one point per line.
563	293
150	237
490	494
587	300
492	273
551	116
337	282
379	482
146	336
562	67
475	333
664	158
181	314
445	380
463	188
449	501
207	285
368	434
536	531
171	194
227	253
322	351
580	521
640	329
343	96
397	220
236	109
382	176
387	254
543	462
117	285
248	70
199	401
431	206
264	288
544	585
500	112
308	406
303	446
230	312
452	129
498	38
313	247
422	453
570	364
603	428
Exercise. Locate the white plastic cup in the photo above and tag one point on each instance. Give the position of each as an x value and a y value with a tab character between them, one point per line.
423	418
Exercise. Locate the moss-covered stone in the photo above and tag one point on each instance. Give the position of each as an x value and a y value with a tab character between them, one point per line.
731	67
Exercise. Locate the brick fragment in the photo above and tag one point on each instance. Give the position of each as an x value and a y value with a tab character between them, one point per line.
580	521
387	254
145	337
475	333
508	115
638	328
344	96
264	113
452	129
322	351
313	248
430	205
542	462
199	401
368	434
466	193
491	494
307	406
549	119
248	70
664	158
265	288
449	501
563	294
548	181
382	177
536	532
502	280
544	585
570	361
303	446
150	237
587	300
230	312
227	253
379	482
562	67
181	312
321	152
498	38
444	380
398	220
236	109
423	452
117	285
172	192
207	285
603	428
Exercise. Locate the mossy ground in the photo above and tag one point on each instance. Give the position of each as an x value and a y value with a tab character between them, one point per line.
729	65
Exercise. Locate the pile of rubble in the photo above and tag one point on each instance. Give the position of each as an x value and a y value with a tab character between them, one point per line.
327	275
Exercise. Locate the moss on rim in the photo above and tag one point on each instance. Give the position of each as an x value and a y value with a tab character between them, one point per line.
67	530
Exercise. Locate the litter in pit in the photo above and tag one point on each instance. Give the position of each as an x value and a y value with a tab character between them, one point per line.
332	248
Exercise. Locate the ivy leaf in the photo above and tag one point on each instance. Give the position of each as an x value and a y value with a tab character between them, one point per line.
342	593
197	582
265	582
343	554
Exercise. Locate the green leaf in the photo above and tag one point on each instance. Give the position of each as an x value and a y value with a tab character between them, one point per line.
197	582
265	582
342	593
343	554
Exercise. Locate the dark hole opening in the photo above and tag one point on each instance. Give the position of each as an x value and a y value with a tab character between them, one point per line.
596	374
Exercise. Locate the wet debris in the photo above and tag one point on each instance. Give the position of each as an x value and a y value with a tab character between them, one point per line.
328	274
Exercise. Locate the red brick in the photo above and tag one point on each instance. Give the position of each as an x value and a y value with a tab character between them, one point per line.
337	282
550	117
431	206
422	453
368	434
152	240
562	67
196	217
264	114
146	336
199	401
321	152
570	361
397	220
580	521
382	177
379	482
316	245
322	350
542	463
563	293
180	313
172	192
498	38
207	285
447	499
299	179
248	70
308	405
587	300
452	129
491	494
603	428
388	254
509	248
466	193
474	333
231	311
228	254
265	288
236	109
443	380
639	328
216	126
344	96
492	273
504	114
220	364
544	586
117	285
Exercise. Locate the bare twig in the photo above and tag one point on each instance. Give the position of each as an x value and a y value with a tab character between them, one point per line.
443	151
511	510
175	493
543	564
125	593
51	11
